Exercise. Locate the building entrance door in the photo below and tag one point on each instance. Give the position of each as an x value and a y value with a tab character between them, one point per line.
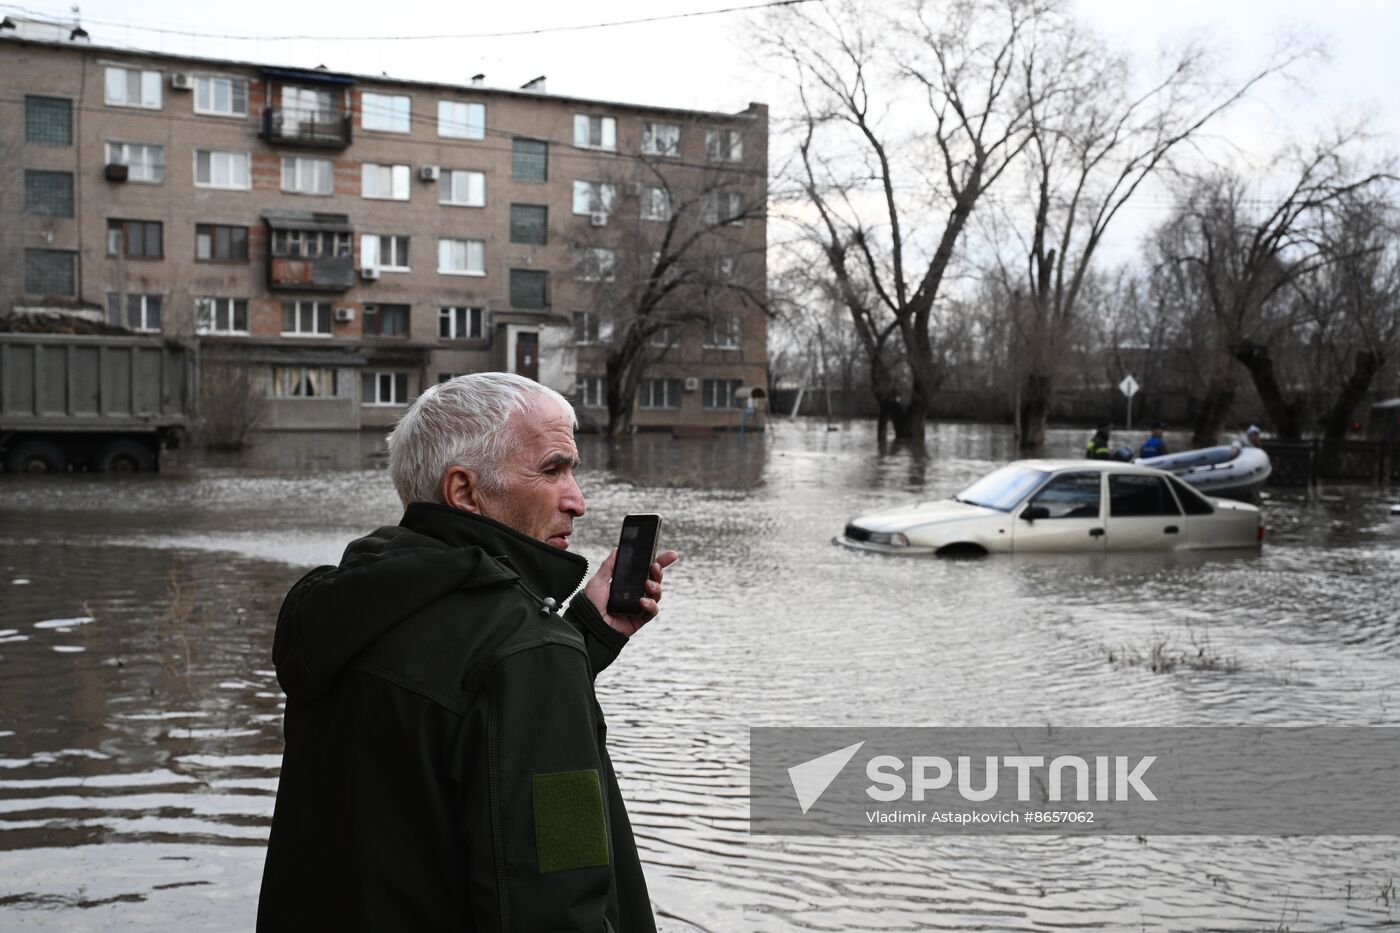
527	354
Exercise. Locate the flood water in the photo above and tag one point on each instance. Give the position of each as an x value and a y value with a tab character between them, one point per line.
140	719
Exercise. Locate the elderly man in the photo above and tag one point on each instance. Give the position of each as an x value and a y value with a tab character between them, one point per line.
445	766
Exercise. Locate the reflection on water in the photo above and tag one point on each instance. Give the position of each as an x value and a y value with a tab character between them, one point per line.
140	719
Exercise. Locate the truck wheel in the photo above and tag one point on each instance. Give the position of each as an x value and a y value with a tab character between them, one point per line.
124	457
36	457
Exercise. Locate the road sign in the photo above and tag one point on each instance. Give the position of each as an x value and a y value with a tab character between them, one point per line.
1129	386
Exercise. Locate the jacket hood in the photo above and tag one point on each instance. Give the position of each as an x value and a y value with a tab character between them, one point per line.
334	613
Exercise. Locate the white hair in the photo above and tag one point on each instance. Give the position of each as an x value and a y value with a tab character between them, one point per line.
463	422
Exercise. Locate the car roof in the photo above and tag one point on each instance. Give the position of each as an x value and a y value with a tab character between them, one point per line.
1087	466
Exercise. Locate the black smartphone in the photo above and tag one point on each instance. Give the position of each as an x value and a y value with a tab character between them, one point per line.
636	551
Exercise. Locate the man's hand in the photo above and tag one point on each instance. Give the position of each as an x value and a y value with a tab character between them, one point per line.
597	592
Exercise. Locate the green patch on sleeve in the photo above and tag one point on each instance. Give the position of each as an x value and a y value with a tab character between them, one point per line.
569	828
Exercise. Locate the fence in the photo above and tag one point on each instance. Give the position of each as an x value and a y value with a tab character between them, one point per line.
1302	463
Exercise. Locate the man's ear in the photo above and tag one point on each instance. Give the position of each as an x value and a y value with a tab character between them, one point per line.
460	490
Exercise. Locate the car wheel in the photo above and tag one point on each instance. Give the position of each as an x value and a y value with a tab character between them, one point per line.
36	457
962	549
124	457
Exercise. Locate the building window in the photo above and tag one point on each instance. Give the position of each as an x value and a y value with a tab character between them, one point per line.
723	207
656	204
724	145
306	319
50	272
595	264
384	388
48	194
666	336
724	331
388	113
461	257
595	132
133	87
302	175
528	288
220	97
309	244
529	159
386	252
590	327
309	110
214	168
384	182
220	243
594	197
135	239
141	312
529	223
727	269
661	139
456	323
591	391
659	393
307	382
385	321
722	393
221	316
462	188
460	120
143	162
48	120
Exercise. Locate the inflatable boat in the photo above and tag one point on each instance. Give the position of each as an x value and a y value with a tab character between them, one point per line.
1230	472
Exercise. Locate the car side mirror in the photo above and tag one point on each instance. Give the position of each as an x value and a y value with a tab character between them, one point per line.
1035	511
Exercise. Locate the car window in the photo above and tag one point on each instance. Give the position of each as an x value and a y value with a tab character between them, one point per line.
1130	495
1002	489
1071	495
1192	501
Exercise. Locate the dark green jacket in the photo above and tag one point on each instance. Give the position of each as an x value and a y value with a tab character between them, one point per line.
445	766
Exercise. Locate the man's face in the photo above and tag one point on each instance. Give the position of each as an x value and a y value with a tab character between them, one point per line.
541	498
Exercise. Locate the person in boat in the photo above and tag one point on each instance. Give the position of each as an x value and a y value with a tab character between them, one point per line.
1252	437
1155	445
1098	448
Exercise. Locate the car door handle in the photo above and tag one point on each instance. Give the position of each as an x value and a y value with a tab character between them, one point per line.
1171	530
1096	532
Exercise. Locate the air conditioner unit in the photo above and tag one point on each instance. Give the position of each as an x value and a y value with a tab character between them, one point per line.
344	315
429	173
181	81
115	172
598	218
692	383
369	274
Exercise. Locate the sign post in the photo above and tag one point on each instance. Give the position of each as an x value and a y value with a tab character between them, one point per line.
1129	387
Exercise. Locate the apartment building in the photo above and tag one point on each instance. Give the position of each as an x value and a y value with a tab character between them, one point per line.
340	241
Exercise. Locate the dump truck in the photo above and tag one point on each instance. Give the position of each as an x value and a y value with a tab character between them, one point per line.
96	402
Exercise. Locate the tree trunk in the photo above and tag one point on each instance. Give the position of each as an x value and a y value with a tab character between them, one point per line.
623	376
1034	411
911	423
1338	417
1215	408
1283	413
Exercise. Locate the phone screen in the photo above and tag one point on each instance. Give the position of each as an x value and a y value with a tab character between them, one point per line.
636	550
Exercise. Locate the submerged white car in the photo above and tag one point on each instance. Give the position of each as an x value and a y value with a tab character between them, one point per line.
1062	505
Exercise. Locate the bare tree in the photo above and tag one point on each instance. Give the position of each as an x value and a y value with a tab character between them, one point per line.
1094	140
1249	253
895	183
673	253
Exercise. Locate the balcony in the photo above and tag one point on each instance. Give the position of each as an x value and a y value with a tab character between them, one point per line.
283	127
311	252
